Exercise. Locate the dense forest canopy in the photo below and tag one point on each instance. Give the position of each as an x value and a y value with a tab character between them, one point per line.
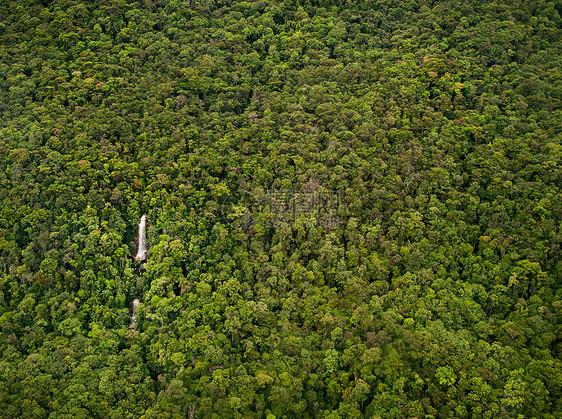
353	208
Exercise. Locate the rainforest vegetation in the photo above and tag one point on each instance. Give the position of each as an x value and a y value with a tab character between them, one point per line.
353	209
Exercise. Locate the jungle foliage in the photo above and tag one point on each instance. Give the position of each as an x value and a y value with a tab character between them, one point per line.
432	290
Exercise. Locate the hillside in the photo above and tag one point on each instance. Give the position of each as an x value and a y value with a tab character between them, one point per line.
353	209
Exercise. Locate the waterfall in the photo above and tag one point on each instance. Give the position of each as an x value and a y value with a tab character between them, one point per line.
141	253
135	304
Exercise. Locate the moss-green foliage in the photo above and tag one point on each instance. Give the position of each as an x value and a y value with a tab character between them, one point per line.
426	282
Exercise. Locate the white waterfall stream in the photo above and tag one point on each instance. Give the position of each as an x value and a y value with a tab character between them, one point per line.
141	255
135	304
141	252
